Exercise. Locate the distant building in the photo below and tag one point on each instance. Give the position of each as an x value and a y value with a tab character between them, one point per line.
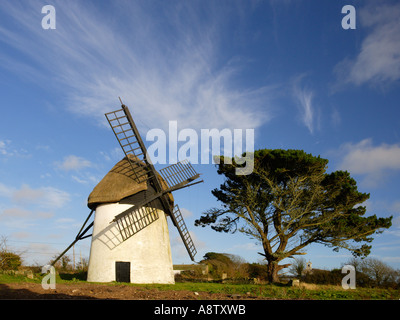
308	268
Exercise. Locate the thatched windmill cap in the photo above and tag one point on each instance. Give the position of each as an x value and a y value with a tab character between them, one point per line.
119	183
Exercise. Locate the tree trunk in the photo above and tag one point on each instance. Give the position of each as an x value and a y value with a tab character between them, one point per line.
272	272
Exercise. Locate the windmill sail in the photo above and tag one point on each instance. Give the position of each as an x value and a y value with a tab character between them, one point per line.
172	182
176	176
179	174
184	233
130	141
140	169
137	219
144	213
128	136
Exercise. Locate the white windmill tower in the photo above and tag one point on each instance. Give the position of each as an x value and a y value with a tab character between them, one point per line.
130	238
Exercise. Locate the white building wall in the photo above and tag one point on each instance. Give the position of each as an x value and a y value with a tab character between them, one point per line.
148	251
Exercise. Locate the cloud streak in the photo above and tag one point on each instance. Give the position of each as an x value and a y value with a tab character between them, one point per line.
44	197
378	62
165	63
304	99
372	161
26	205
73	163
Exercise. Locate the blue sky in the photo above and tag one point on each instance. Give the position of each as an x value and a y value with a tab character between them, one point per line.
286	69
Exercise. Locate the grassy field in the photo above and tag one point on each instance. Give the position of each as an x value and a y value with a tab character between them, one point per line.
268	291
318	292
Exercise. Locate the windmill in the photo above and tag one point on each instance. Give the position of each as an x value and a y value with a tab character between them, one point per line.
130	239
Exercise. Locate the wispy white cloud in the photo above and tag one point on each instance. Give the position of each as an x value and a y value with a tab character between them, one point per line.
178	249
247	246
378	62
22	206
44	197
164	63
336	119
6	191
21	235
66	224
8	150
375	162
73	163
395	207
388	207
17	213
79	180
3	148
304	99
391	259
186	213
85	178
112	155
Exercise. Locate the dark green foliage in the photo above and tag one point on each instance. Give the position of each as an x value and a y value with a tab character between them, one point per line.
218	264
221	257
333	277
256	270
290	196
9	261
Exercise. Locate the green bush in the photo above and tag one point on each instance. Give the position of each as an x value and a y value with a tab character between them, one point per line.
9	261
257	270
333	277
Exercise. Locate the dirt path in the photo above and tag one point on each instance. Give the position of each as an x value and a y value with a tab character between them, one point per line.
99	291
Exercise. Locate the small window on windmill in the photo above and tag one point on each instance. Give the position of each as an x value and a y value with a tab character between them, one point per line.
122	271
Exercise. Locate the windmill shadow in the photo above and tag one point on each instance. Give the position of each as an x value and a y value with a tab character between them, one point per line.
110	236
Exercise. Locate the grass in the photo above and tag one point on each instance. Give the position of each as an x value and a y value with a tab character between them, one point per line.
286	292
269	291
10	278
